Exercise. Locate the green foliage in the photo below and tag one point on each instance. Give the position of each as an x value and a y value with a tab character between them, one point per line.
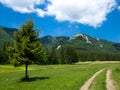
62	55
6	39
117	46
52	57
98	56
27	47
68	55
3	54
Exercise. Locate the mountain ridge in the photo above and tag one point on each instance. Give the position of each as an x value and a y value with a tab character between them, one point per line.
78	41
81	42
6	35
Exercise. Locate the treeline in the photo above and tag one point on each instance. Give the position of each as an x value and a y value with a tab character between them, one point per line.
67	55
3	56
3	53
98	56
62	55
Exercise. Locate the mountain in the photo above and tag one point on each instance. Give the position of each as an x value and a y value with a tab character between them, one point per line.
6	35
82	42
49	41
86	47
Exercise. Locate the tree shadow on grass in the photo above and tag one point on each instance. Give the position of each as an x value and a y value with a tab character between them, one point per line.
33	79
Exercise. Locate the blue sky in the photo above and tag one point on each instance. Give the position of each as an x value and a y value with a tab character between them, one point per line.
100	19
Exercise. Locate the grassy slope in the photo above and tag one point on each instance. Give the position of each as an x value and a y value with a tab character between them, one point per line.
52	77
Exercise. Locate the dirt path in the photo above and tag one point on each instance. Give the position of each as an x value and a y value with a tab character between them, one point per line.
89	81
109	82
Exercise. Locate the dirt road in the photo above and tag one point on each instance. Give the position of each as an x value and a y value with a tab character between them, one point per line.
89	81
109	82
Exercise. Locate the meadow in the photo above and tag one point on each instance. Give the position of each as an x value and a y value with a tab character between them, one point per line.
58	77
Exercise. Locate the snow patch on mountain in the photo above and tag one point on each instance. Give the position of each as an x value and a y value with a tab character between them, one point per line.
87	40
78	35
84	37
101	45
58	47
97	39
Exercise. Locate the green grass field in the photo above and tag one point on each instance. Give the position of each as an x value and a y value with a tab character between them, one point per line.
58	77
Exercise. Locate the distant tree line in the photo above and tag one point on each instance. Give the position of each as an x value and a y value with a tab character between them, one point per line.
3	53
67	55
63	55
98	56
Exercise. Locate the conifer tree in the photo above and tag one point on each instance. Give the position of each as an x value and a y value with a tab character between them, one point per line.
52	57
27	47
70	55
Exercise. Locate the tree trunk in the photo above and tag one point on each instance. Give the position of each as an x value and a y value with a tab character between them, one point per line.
26	71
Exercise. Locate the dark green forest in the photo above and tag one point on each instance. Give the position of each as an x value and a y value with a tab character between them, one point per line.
6	39
66	50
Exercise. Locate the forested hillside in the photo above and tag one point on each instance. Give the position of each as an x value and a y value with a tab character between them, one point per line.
86	47
6	35
82	42
64	49
6	38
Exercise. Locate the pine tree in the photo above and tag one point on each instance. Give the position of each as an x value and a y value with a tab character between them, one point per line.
52	57
27	47
70	55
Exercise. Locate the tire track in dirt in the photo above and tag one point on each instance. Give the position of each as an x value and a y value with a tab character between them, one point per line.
90	80
109	81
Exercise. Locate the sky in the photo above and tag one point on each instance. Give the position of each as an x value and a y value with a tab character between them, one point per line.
96	18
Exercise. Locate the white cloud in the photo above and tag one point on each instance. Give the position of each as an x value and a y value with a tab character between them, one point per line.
22	6
40	12
88	12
